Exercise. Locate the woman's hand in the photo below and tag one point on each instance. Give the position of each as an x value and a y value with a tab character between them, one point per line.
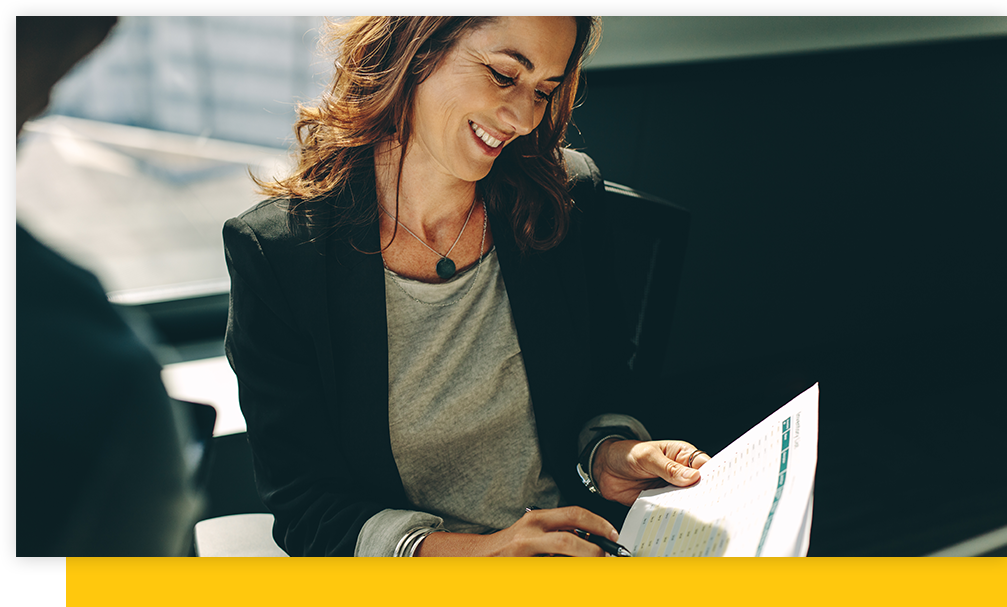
537	533
624	468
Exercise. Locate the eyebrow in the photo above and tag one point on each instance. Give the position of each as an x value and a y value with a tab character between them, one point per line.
526	62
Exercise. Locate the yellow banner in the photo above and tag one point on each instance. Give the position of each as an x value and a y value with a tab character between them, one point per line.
530	582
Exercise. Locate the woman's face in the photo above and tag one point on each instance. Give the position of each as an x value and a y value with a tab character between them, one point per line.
491	88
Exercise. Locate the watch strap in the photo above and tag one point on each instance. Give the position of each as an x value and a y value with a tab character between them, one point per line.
585	462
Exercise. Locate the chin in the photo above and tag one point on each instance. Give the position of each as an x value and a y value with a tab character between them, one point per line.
477	172
483	174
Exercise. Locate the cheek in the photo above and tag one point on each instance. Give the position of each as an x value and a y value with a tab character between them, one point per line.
434	102
540	112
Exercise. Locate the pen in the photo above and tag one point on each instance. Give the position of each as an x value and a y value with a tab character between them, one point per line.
602	542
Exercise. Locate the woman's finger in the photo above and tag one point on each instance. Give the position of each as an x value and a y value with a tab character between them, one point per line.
668	462
686	454
562	543
697	458
572	517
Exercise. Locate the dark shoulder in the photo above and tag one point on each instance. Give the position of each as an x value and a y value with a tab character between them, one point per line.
268	219
274	228
262	244
581	169
586	183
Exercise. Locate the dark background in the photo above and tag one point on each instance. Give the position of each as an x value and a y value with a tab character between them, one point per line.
848	216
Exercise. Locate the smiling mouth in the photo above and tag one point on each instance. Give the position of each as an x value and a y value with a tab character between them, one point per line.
488	139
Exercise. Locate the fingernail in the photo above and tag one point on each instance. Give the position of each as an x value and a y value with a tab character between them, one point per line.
613	535
689	474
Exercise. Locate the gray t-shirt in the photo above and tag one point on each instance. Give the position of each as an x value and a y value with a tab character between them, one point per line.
460	415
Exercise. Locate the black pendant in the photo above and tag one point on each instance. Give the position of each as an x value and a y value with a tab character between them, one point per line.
445	268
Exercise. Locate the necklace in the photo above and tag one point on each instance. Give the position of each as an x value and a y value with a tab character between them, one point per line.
475	275
446	266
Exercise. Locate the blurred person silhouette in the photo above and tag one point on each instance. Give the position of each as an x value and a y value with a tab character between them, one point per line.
100	446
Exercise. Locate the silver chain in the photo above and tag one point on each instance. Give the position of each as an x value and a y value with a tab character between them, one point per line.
423	242
475	276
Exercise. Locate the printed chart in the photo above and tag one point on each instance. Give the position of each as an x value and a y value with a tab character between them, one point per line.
754	498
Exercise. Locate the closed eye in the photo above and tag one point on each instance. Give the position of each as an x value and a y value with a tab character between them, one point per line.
501	79
505	81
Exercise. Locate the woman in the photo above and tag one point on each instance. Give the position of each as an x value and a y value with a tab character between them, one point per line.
419	319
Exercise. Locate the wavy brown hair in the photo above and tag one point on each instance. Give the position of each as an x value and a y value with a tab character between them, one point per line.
380	61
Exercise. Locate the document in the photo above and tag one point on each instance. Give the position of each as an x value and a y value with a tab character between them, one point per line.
754	498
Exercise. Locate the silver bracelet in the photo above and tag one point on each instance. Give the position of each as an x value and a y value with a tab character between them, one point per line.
590	459
587	476
411	541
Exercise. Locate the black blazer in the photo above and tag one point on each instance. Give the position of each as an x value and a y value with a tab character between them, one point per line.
307	339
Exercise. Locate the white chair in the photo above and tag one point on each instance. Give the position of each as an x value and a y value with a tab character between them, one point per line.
237	535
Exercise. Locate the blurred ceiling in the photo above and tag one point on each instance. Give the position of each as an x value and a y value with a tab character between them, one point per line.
640	41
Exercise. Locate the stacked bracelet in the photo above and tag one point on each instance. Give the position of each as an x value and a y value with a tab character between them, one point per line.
411	541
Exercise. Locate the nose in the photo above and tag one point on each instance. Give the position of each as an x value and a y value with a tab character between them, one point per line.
520	114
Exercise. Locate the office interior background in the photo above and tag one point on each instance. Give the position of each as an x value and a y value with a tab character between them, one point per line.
844	178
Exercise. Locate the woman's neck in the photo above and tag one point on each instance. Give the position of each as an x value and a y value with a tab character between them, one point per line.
427	200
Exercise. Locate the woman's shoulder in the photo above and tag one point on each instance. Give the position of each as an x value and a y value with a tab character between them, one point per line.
268	229
273	222
268	218
581	169
586	183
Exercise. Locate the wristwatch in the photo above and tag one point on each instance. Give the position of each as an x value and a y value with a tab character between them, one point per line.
586	459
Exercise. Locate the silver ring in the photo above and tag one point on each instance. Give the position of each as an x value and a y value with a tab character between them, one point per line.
694	454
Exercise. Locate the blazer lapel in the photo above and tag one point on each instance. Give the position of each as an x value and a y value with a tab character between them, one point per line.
356	307
546	307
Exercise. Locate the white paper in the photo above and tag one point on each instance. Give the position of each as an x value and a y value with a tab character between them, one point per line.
754	498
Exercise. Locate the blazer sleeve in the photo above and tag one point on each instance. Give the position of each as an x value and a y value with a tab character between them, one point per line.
611	346
318	502
609	391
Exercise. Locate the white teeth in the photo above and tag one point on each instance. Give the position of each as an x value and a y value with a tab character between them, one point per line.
486	137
